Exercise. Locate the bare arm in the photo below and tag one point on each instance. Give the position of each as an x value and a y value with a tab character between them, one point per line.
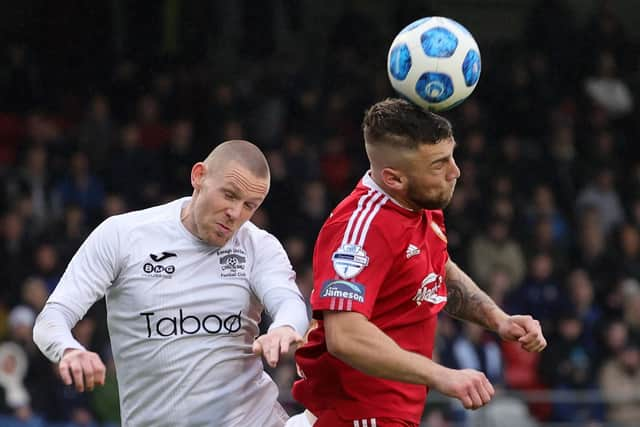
359	343
466	301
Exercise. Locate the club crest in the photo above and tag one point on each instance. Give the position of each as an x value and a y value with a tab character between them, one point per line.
349	260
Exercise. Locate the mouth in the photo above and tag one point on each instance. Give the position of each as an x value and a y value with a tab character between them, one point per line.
223	228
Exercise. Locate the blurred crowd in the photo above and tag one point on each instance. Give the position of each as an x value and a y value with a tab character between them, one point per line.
545	217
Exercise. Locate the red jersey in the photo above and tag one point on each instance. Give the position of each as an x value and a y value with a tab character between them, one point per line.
377	258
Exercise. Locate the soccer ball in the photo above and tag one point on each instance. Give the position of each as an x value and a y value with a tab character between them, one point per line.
434	62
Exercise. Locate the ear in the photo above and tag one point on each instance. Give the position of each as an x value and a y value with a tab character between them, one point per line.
393	179
198	174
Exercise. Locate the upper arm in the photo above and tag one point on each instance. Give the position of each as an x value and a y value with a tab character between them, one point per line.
271	269
346	276
92	269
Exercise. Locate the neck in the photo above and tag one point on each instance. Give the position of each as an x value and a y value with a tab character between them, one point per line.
186	217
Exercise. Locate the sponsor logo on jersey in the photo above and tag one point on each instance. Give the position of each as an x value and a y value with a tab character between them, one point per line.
412	251
182	324
164	255
232	262
429	290
342	289
349	260
159	270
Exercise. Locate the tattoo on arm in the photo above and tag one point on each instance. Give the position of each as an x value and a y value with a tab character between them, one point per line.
468	302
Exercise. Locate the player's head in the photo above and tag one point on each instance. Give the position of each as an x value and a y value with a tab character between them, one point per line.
411	153
228	187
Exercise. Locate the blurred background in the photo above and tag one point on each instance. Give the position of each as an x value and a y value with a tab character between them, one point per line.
104	107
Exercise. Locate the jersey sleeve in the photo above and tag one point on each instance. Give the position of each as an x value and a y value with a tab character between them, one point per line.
274	283
348	276
92	269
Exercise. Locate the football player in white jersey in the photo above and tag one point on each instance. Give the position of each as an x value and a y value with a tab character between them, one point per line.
185	285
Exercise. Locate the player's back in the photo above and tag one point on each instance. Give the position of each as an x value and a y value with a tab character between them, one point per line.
386	262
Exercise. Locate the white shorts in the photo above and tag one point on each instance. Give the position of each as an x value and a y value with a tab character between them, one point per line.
304	419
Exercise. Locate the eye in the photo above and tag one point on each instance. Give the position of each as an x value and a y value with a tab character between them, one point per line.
229	195
250	206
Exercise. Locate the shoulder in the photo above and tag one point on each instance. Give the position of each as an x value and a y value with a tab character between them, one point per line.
149	216
256	239
360	216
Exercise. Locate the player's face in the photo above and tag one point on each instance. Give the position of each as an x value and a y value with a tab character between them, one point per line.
433	175
225	200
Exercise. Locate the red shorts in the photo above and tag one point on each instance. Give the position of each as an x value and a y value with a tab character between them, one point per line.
331	419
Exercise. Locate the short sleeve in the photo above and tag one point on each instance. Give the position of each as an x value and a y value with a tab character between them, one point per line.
348	277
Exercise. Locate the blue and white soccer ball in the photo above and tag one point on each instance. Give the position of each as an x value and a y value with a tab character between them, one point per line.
434	62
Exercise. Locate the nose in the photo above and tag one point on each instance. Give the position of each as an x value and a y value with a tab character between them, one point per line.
233	210
454	171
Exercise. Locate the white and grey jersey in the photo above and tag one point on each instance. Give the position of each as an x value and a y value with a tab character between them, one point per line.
182	317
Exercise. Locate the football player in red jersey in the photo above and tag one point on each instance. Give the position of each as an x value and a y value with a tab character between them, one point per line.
382	274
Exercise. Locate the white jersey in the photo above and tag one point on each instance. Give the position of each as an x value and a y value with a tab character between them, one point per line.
182	317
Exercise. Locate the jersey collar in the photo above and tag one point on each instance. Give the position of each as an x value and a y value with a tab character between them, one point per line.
367	181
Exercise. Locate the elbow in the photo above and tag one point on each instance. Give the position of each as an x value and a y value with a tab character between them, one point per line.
338	345
38	332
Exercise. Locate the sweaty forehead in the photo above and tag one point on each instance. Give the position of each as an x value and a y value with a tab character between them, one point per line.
246	182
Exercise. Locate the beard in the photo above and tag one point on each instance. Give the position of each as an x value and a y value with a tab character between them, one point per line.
431	201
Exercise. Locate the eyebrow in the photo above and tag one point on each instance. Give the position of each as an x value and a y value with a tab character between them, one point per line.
238	191
444	158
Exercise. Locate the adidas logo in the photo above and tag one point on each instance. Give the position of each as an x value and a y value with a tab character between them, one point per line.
412	251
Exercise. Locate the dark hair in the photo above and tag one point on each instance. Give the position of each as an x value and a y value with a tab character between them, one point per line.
399	123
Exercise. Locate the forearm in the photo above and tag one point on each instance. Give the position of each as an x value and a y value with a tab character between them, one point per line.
52	331
466	301
287	308
363	346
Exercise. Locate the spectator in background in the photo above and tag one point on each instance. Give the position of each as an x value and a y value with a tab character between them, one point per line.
620	383
97	134
33	180
46	264
15	252
607	89
542	241
34	293
177	159
628	257
540	293
80	187
631	312
543	208
154	134
133	170
473	348
496	249
602	196
570	366
15	401
460	226
562	158
581	300
591	251
614	337
21	369
71	233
